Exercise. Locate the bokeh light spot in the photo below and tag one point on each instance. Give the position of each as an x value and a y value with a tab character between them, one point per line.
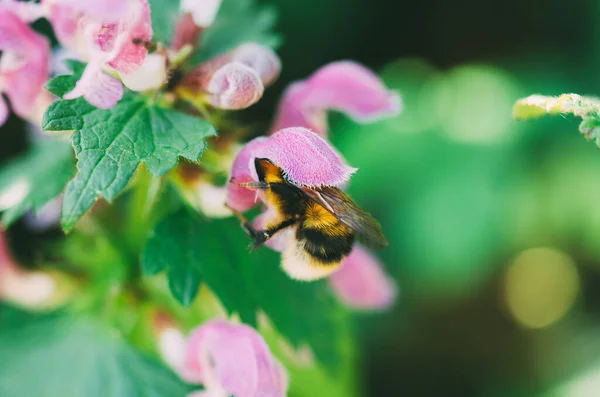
540	287
482	100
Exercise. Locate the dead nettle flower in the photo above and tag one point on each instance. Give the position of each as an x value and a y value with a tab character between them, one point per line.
306	161
344	86
24	288
226	358
114	44
23	64
235	80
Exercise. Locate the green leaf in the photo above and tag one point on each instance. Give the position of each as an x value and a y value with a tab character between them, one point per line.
237	21
35	178
68	357
587	108
110	144
216	252
60	85
164	15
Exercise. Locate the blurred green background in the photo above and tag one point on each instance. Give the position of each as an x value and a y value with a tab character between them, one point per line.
493	224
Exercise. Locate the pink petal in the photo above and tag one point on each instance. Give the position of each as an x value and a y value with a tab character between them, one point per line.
133	25
239	198
344	86
292	111
65	22
97	88
26	11
24	63
260	58
3	111
305	158
232	357
234	86
361	282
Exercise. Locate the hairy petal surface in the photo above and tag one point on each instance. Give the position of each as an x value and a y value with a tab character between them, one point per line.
260	58
344	86
234	86
305	158
361	282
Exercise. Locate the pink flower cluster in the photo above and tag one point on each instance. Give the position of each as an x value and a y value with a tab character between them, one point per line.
111	35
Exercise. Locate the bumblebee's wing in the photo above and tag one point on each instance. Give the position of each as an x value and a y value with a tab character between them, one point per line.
346	211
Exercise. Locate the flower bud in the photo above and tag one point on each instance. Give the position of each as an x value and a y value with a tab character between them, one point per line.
260	58
234	86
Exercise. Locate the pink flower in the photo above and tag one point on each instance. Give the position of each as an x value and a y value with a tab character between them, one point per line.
343	86
234	86
305	158
361	282
111	41
23	66
231	359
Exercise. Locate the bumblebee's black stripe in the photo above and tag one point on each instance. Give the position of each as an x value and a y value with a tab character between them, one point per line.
325	248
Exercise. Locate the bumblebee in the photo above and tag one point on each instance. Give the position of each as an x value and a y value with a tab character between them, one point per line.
320	224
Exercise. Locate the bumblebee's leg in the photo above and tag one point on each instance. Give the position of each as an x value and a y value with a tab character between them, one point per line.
245	223
265	234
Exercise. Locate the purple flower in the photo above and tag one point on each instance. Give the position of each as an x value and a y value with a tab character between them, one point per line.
344	86
361	282
23	66
305	158
231	359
